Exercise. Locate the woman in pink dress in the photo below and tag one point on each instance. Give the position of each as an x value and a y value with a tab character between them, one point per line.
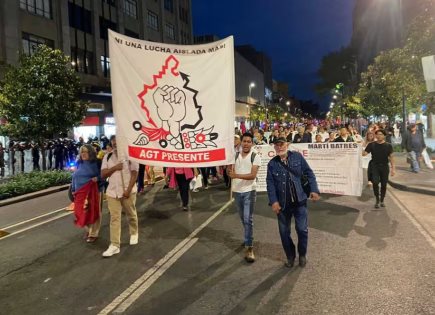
181	177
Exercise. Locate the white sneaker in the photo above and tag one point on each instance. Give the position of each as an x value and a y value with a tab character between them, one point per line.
112	250
134	239
195	190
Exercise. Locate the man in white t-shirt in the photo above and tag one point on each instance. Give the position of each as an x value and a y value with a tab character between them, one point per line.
244	172
121	194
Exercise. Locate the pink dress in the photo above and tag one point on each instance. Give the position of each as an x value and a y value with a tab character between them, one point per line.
171	171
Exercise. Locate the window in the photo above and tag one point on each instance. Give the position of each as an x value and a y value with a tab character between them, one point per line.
185	38
184	15
31	43
38	7
131	33
153	20
130	8
105	65
104	26
169	5
110	2
80	18
170	31
82	61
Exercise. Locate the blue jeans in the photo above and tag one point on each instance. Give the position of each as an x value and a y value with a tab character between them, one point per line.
415	164
245	203
301	222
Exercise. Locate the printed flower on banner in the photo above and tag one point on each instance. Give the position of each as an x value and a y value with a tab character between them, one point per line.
200	139
172	112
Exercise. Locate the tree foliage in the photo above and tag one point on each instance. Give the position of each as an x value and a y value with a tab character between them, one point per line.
398	72
336	67
40	96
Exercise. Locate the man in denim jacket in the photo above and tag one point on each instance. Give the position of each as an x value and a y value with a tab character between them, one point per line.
287	197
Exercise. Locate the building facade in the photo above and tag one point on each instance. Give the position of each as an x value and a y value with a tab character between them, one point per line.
250	84
80	29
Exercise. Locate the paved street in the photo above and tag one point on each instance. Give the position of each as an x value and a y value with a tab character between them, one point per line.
360	261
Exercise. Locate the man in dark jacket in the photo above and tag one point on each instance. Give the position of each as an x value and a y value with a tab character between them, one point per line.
308	134
287	197
344	136
413	143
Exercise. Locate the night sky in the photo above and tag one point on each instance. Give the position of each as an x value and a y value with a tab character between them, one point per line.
294	33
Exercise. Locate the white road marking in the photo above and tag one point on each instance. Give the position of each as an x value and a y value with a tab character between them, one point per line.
132	293
38	217
35	225
411	217
32	219
153	278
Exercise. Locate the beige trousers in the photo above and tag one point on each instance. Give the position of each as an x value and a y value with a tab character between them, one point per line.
115	206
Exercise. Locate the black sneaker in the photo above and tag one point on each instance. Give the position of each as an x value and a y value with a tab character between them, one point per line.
290	263
382	205
302	261
377	205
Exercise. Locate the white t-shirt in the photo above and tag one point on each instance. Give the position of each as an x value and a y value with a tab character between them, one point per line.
243	166
115	188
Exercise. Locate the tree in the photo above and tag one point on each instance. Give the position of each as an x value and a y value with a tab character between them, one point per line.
336	67
398	72
40	97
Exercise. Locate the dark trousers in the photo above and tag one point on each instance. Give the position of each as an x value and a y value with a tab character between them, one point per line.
204	172
301	223
36	164
140	177
227	179
58	164
380	174
213	171
183	186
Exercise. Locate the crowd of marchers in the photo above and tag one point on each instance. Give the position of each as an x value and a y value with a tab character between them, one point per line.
290	180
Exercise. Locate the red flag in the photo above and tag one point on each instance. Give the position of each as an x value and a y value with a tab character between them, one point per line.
87	204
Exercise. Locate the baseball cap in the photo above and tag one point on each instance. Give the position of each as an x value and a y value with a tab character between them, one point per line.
279	140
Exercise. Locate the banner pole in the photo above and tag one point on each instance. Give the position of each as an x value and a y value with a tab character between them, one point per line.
231	185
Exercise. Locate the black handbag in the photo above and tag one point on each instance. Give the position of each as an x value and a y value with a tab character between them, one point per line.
304	181
70	193
305	185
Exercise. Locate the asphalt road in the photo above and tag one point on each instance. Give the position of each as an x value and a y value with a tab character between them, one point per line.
360	261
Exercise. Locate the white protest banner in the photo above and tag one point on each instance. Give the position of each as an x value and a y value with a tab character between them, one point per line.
337	166
173	105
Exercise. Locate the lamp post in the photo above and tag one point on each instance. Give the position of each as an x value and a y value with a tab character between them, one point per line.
251	85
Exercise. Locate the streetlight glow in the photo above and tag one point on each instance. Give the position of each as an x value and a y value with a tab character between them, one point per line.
251	85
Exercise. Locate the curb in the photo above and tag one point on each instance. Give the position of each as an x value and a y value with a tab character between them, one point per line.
414	189
32	195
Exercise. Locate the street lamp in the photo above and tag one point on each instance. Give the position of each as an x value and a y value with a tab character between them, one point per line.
251	85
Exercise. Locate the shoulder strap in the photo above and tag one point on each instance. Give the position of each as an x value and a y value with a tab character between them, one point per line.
109	156
253	155
237	156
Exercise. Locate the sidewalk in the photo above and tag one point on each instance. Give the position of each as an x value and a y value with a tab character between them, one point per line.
422	182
